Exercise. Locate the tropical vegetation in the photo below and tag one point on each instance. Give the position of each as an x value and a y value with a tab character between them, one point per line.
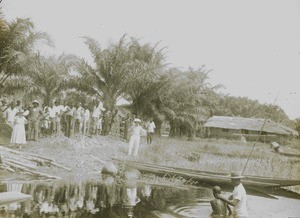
127	69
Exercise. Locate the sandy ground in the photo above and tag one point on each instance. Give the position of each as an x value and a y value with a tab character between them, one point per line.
85	156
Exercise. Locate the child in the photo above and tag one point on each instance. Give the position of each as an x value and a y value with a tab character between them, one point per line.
18	135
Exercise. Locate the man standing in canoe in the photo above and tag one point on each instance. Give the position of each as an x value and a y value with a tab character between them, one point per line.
238	199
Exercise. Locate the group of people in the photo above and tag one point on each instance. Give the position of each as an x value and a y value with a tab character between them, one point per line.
32	122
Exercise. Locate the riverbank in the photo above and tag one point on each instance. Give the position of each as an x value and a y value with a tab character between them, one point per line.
85	156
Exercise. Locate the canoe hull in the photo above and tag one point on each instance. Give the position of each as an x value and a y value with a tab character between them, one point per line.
208	177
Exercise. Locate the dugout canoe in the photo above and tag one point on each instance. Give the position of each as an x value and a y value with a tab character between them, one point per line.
11	197
208	177
288	154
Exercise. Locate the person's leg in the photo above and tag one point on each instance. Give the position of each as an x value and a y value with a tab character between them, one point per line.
54	126
148	138
131	142
94	125
84	127
58	126
36	130
80	126
68	125
51	126
151	137
72	126
136	145
29	134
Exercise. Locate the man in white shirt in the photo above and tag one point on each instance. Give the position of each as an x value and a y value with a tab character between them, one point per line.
86	120
52	117
96	118
10	113
136	131
58	112
238	199
150	131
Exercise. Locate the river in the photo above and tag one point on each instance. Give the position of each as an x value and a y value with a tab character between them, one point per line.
110	197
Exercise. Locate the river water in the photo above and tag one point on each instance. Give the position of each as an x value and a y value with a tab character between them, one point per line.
110	197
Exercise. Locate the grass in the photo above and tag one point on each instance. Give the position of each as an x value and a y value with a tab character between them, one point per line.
222	156
218	155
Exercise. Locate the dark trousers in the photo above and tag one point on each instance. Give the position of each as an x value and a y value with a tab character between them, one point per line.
70	121
150	137
33	129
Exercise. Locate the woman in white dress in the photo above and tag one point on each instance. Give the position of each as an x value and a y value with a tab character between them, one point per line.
18	135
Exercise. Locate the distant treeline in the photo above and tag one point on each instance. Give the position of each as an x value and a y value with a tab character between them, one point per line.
126	69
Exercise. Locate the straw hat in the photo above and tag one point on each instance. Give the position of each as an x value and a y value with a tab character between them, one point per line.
137	120
36	101
236	175
21	111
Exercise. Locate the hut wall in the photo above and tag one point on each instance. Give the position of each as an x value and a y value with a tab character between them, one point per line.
250	136
223	133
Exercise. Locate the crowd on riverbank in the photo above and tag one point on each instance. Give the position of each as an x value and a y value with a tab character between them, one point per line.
54	119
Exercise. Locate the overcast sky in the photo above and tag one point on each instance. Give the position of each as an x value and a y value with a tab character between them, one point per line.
252	47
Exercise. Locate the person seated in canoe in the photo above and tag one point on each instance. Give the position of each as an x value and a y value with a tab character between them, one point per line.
219	207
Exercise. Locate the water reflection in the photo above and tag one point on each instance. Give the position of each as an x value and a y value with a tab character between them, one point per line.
106	198
113	197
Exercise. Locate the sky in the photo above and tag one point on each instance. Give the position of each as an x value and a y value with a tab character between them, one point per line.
251	47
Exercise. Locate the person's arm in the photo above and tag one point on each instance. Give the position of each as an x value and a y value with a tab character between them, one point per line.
4	109
232	202
143	132
229	209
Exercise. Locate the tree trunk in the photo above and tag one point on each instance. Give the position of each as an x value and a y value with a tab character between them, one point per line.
46	100
158	124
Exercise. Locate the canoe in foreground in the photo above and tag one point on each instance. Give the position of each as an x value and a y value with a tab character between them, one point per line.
11	197
208	176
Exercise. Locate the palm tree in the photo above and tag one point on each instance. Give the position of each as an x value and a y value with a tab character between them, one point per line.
46	78
184	105
146	76
17	44
106	79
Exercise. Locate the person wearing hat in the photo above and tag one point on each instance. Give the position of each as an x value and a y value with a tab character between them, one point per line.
136	131
238	199
34	120
18	135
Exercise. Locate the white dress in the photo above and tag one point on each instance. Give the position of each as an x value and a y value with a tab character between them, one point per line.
18	135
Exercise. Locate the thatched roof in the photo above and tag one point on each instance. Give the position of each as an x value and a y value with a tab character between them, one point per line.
252	124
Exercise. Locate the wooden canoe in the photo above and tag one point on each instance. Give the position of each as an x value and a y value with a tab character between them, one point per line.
209	177
288	154
11	197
